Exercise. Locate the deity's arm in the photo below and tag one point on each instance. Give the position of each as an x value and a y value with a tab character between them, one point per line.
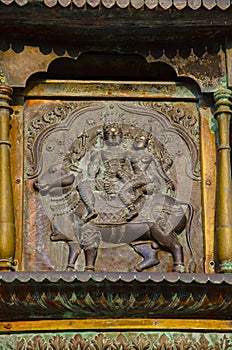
132	164
94	164
163	175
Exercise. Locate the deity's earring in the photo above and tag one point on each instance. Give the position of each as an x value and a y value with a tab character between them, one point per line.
125	140
101	140
149	145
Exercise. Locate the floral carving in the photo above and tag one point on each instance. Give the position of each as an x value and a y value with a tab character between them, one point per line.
203	344
141	343
103	305
79	343
52	115
37	343
121	341
223	344
163	343
48	115
183	343
100	342
19	345
179	116
58	343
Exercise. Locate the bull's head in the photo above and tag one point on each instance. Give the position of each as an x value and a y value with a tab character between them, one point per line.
57	176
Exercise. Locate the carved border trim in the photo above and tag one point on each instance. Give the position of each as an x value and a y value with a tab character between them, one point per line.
118	341
114	295
151	4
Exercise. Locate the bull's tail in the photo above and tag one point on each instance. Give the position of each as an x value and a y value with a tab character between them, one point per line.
188	227
191	264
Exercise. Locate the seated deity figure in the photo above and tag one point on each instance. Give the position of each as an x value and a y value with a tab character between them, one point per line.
141	159
107	167
121	172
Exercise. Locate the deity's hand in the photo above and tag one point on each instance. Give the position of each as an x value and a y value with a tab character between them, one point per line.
170	186
149	188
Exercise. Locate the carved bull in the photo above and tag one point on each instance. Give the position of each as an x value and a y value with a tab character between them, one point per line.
161	232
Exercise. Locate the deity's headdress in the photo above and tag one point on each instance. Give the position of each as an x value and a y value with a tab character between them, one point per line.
112	121
146	131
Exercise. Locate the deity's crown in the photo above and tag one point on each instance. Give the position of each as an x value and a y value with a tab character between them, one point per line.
146	130
112	119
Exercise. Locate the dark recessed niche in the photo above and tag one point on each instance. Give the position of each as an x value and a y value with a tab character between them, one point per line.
107	67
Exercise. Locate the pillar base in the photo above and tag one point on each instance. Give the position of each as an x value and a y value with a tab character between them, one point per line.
225	267
7	265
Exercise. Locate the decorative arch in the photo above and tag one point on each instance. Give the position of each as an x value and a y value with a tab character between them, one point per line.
208	77
107	66
112	66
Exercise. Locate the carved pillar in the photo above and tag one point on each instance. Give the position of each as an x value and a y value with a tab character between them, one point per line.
224	186
7	225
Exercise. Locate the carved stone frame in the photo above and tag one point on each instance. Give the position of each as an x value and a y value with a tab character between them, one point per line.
155	92
37	282
72	310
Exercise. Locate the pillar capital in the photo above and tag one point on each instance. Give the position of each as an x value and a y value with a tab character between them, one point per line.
5	96
222	98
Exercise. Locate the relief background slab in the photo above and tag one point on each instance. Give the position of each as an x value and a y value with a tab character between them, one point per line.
42	254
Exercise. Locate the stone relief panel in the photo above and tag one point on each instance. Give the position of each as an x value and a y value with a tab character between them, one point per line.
112	186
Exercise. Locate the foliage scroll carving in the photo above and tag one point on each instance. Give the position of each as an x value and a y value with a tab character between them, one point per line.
120	341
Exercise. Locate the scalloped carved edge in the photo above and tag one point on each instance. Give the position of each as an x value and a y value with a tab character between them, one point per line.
165	4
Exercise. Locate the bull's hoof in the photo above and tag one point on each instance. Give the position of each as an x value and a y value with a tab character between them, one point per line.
70	267
178	267
146	264
89	268
57	236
